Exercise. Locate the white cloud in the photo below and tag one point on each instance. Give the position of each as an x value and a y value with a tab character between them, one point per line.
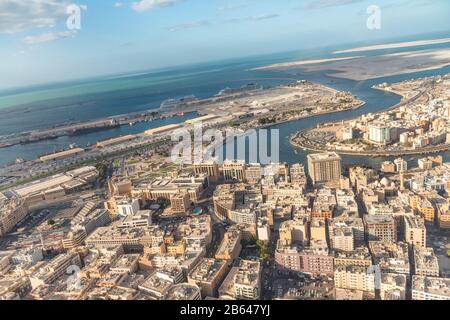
146	5
48	37
316	4
20	15
118	4
188	25
266	16
254	18
232	7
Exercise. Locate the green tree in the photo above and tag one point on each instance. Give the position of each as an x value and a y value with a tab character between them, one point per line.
264	250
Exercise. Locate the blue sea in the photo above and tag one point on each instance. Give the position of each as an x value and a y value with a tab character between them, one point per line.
43	106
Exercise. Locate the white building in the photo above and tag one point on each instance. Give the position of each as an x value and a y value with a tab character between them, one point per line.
379	134
128	207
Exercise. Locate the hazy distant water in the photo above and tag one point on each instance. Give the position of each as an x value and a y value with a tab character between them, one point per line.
44	106
376	101
86	100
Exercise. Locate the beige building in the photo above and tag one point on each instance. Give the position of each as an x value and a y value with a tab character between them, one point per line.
253	173
359	257
380	227
62	155
393	286
344	223
12	211
178	247
184	291
415	231
209	168
430	288
318	229
180	203
324	168
207	275
230	247
243	282
354	278
234	170
426	262
74	238
164	129
114	141
342	239
54	269
391	257
294	231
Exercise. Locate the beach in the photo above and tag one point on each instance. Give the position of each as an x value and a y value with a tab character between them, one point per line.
397	45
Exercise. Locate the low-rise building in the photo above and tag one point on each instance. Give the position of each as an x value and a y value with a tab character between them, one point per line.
243	282
230	247
184	291
430	288
415	231
360	256
54	269
425	262
393	286
207	275
354	278
391	257
315	259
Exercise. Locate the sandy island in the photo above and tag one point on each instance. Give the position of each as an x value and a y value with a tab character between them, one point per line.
303	63
366	68
395	45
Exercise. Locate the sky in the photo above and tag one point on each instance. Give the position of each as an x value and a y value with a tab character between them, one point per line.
117	36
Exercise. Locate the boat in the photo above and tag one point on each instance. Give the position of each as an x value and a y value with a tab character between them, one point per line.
176	103
246	88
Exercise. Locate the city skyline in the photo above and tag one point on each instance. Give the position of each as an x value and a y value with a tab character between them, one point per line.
211	155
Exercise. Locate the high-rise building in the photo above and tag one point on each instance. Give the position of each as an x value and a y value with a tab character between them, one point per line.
324	168
401	165
210	168
12	211
380	227
379	134
234	170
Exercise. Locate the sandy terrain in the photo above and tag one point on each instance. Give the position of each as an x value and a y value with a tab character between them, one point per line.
386	65
396	45
303	63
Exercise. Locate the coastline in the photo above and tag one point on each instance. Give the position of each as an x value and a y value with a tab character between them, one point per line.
404	101
428	150
271	125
